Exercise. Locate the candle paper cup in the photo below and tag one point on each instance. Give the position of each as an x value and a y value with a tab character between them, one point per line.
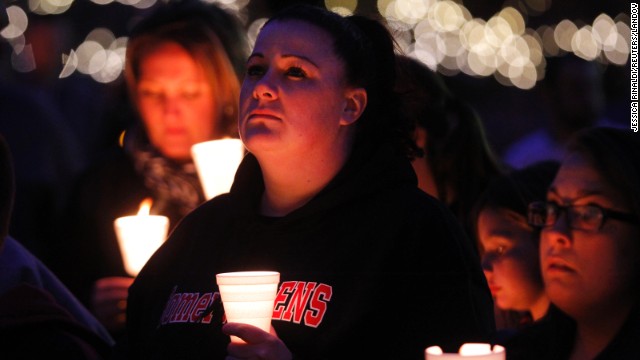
468	351
139	236
216	162
248	297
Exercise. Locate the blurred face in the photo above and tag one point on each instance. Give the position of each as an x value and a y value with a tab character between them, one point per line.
293	96
510	261
175	101
587	271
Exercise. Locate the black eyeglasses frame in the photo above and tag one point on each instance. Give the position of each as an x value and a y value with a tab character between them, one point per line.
559	209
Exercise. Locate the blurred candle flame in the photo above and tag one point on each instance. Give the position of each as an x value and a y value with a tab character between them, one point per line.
121	138
145	207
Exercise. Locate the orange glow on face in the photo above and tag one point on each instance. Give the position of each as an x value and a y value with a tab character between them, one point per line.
176	101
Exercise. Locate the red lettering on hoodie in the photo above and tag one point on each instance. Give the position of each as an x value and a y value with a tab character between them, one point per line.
280	303
318	305
297	301
187	303
203	303
188	307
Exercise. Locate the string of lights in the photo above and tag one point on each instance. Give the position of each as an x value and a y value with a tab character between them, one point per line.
443	34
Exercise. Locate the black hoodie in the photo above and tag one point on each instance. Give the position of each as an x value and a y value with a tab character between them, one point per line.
371	267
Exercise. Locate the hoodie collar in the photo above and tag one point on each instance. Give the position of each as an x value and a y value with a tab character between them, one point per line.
367	171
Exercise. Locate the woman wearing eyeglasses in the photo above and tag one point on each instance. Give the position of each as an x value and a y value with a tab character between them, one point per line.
590	253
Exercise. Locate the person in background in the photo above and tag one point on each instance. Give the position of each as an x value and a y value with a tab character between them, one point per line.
456	161
370	266
573	93
39	316
509	244
589	253
182	70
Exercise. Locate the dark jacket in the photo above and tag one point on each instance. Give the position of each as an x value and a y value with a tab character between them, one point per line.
19	267
371	267
34	326
553	336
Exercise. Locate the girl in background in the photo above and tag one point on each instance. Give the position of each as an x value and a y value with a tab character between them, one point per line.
509	245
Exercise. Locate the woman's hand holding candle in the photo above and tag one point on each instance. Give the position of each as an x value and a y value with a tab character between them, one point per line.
258	344
109	301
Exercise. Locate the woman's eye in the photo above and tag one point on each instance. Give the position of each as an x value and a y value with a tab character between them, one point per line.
146	92
588	213
494	253
189	95
296	72
149	93
255	70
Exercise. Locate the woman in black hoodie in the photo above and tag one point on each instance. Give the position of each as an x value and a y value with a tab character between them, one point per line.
370	266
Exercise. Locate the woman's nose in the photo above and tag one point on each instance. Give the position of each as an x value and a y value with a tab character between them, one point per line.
558	234
264	89
560	231
171	105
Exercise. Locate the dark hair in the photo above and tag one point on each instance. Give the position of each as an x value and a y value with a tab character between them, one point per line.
213	37
615	154
556	65
458	151
515	190
368	50
575	92
7	187
222	24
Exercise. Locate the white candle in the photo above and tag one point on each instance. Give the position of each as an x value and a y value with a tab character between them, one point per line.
469	351
139	236
216	162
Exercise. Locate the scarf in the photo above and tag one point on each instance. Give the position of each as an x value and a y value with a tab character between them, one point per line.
174	185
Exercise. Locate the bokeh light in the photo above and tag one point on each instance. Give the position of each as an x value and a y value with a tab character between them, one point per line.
443	34
18	22
49	7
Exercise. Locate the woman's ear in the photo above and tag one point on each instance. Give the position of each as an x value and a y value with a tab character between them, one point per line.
355	103
421	137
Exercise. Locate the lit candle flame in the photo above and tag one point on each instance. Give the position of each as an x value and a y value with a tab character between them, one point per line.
145	206
121	138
